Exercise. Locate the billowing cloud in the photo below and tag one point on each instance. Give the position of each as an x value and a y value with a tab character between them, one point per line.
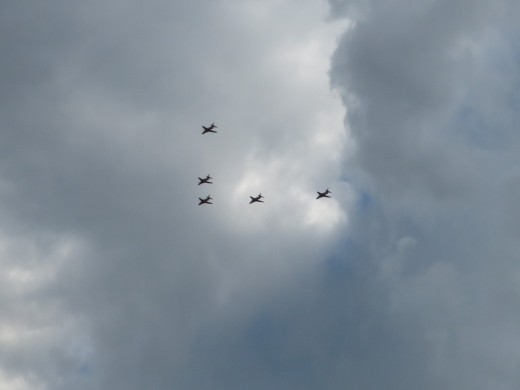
431	90
113	277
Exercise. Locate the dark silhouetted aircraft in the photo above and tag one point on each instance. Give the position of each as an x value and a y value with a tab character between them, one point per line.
209	129
256	199
205	200
206	180
324	194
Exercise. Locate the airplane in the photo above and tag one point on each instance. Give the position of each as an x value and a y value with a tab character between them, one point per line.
205	200
324	194
256	199
209	129
205	180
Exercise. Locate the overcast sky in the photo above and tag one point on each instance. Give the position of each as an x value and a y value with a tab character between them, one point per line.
111	275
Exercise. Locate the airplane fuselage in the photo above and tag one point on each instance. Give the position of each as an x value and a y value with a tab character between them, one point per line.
256	199
324	194
209	129
205	200
205	180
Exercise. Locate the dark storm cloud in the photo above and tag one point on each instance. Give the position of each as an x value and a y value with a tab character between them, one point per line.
431	90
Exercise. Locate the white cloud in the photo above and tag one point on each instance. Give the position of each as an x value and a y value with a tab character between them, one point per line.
103	163
113	277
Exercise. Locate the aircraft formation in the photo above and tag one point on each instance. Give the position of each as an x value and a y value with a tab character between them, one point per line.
254	199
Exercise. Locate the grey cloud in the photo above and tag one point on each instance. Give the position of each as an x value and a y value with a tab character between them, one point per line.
100	150
129	285
430	92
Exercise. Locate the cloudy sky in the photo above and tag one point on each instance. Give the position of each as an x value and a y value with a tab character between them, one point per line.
111	276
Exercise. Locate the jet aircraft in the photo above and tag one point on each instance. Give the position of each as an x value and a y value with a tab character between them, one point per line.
206	200
206	180
256	199
324	194
209	129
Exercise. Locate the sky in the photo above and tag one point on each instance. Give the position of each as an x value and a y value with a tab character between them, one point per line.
112	276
